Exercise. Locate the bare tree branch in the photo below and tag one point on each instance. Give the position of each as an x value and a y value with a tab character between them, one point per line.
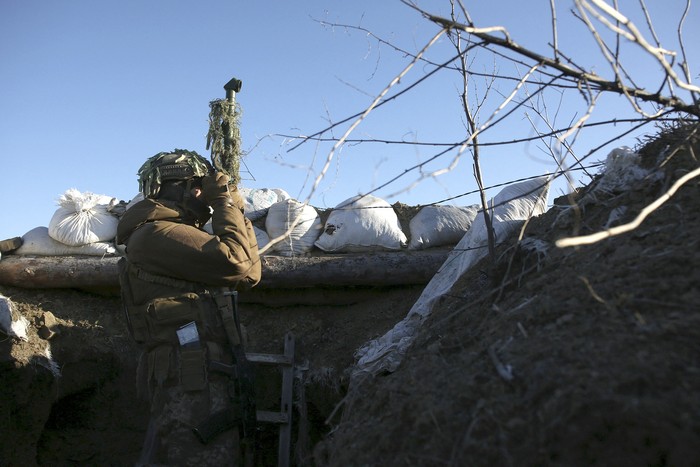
594	80
633	34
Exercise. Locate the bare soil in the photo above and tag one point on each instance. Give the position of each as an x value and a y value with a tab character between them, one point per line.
578	356
598	347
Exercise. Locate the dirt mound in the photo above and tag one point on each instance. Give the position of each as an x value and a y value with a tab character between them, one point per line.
547	356
575	356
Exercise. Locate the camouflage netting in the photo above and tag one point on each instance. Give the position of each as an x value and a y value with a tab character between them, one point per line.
224	117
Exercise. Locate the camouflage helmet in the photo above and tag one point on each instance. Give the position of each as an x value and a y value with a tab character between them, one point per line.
178	164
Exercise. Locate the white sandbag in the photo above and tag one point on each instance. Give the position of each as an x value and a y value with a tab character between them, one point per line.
281	194
299	224
83	218
362	223
37	242
440	225
511	207
256	201
261	236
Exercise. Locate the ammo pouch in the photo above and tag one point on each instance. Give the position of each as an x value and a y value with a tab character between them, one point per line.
193	376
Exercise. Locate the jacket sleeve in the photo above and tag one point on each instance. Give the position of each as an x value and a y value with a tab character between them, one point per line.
236	234
165	246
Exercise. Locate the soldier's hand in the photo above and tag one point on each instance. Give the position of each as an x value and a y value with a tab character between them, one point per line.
215	188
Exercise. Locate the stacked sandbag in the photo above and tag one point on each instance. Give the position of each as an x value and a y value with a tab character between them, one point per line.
38	242
261	236
256	201
293	227
82	225
435	225
362	223
83	218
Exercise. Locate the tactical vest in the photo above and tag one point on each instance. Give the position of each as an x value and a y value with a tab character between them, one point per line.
156	308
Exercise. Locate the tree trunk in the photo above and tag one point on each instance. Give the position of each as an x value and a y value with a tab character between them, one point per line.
337	270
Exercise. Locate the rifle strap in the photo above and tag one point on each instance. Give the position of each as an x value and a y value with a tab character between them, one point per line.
227	303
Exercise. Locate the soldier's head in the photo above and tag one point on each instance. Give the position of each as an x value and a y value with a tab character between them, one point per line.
176	167
176	176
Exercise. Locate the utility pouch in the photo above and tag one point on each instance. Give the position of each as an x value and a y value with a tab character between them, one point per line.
159	365
166	314
193	375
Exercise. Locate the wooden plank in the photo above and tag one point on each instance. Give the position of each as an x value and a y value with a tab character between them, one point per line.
286	403
268	359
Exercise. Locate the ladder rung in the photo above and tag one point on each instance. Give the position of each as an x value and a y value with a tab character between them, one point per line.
268	359
266	416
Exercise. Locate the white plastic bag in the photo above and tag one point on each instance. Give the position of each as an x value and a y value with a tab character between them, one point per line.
362	223
299	223
440	225
83	218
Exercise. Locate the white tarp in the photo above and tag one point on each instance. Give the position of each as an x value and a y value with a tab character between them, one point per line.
511	207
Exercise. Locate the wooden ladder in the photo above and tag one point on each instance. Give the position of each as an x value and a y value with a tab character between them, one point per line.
283	418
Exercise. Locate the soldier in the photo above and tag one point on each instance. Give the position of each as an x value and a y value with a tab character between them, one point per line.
171	282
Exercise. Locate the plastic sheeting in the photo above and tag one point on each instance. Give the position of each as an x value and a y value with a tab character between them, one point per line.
510	208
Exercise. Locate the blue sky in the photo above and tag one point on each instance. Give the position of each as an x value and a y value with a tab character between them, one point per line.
90	89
